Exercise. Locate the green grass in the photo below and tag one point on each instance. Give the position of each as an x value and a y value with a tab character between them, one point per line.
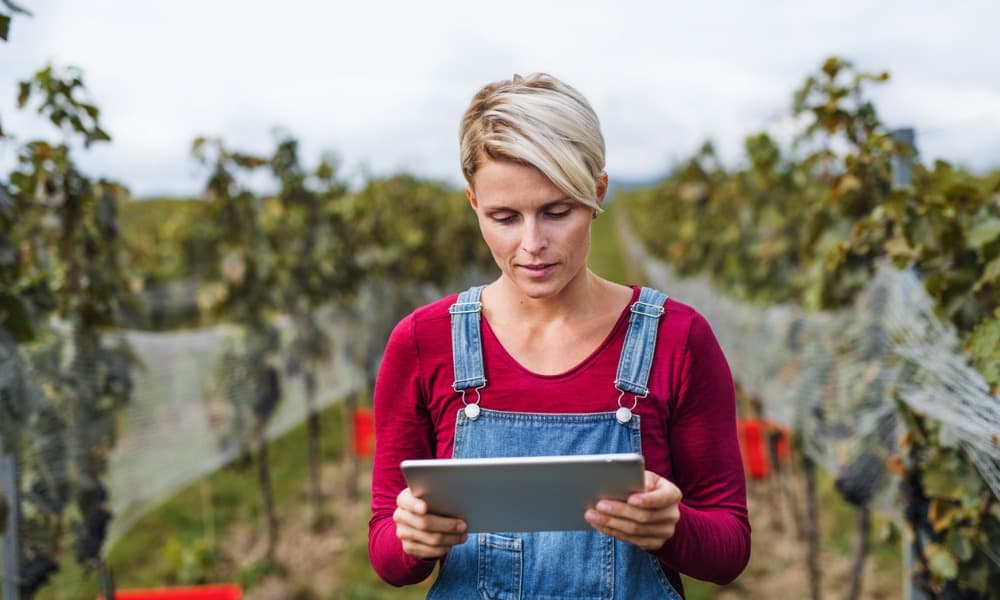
606	256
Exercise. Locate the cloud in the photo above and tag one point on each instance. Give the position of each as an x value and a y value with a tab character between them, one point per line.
384	83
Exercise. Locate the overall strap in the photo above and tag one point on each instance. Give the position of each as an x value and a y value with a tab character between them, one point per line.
640	342
466	341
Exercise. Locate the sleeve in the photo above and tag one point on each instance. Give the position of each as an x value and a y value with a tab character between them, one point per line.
712	538
403	430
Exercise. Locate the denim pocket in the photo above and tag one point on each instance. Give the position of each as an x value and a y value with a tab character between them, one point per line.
569	565
499	576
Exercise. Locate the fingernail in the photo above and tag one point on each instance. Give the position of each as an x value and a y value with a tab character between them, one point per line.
461	527
603	506
590	516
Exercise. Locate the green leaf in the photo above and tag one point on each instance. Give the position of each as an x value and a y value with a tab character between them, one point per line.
90	109
991	274
942	563
984	232
984	346
99	135
943	480
960	545
4	27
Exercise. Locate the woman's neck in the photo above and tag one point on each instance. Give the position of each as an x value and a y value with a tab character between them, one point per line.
584	297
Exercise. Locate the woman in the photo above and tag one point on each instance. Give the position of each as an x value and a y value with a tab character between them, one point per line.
547	371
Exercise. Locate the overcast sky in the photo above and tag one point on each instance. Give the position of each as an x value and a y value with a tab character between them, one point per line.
384	84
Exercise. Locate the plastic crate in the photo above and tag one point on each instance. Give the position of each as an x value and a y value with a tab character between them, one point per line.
202	592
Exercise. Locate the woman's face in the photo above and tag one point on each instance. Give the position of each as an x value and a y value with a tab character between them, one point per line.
538	235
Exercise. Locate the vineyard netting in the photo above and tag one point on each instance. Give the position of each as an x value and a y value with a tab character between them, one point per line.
188	413
836	377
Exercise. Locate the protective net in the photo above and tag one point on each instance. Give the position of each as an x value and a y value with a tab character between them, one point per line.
187	415
836	377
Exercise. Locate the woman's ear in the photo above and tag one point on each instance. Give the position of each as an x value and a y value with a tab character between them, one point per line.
471	196
602	188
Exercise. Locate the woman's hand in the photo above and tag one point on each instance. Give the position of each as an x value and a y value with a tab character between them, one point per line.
425	535
647	519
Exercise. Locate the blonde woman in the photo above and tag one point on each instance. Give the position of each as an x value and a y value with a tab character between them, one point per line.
551	359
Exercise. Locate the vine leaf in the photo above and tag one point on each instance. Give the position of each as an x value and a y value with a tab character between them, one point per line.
942	563
991	274
984	345
984	232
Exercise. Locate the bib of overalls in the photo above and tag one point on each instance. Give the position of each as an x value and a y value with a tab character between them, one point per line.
549	565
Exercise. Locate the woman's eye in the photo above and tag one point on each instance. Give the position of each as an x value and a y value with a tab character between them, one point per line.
503	218
557	214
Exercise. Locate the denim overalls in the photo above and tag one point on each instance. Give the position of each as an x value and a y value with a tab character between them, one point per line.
550	565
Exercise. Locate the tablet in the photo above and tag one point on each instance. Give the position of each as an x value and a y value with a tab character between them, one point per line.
538	493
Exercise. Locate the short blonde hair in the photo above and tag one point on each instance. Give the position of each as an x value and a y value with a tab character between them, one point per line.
539	121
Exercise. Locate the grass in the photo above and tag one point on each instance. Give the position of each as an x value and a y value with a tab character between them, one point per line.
606	257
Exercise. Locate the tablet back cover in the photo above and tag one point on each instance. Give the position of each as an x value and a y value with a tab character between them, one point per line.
523	494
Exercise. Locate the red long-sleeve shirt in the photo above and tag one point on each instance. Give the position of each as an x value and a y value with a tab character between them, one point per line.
688	429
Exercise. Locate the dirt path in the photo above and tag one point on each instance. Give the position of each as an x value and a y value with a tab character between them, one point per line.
310	561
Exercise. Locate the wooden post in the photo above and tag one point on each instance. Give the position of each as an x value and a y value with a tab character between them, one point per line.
812	528
10	487
860	552
902	176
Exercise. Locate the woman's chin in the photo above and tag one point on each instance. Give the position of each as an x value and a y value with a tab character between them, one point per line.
539	289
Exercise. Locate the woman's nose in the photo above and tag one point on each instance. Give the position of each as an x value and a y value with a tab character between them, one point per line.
533	239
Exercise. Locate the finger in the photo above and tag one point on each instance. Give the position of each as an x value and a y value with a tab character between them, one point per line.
429	523
407	501
652	540
428	536
648	524
429	539
660	494
638	514
419	550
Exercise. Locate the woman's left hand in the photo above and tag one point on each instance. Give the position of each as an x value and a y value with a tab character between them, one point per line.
646	519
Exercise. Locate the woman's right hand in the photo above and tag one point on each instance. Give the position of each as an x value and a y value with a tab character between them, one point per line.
425	535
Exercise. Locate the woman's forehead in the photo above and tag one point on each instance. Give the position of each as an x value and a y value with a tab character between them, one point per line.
504	181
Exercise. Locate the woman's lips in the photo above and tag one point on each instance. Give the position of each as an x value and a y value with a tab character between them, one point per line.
539	270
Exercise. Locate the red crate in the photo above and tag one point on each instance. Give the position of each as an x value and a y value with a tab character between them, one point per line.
754	452
364	433
754	435
201	592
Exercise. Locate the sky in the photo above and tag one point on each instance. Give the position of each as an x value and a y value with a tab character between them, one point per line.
384	84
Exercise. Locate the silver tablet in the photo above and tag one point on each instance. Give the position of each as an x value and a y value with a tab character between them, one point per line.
538	493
